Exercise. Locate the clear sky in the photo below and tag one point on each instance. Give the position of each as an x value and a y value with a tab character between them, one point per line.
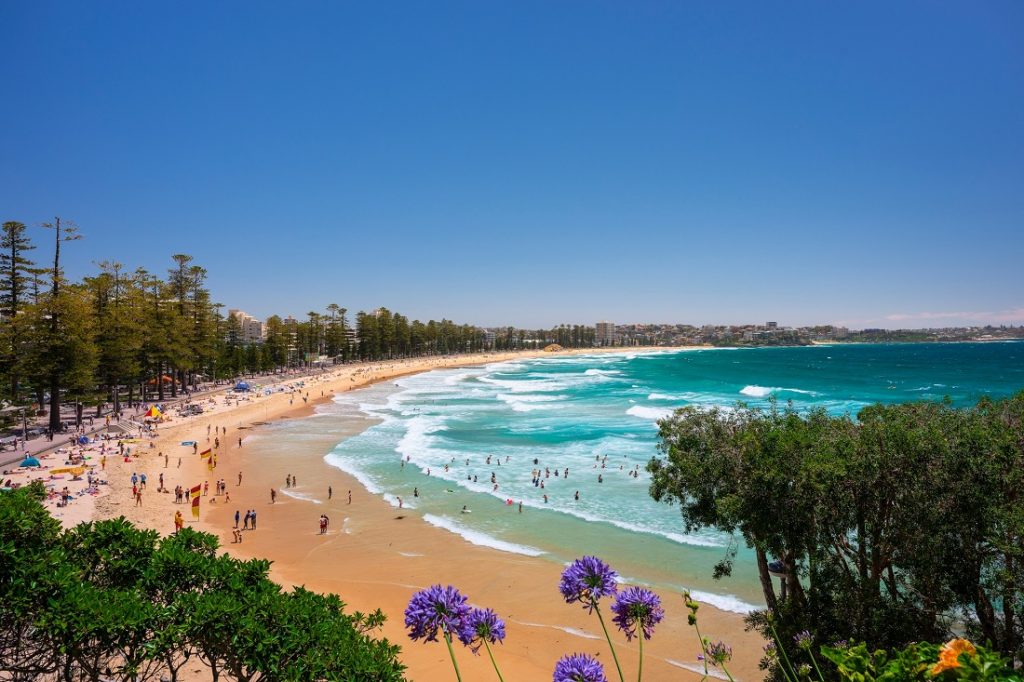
532	163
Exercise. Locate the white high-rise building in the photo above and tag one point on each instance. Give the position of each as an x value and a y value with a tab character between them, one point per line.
252	330
604	333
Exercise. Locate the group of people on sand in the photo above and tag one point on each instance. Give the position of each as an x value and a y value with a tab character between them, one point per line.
248	523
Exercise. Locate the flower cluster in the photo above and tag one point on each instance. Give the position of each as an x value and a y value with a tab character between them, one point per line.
718	653
949	655
804	639
635	607
579	668
481	625
436	609
587	580
444	609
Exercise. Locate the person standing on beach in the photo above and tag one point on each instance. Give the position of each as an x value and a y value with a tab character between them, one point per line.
245	520
239	442
239	478
179	521
287	480
237	516
273	496
330	492
253	519
166	459
350	497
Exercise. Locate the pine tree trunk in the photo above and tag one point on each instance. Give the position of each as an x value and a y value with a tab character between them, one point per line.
55	402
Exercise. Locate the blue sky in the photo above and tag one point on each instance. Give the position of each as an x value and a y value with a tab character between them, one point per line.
532	163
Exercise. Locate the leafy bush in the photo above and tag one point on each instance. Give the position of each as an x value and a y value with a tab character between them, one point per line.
109	600
958	659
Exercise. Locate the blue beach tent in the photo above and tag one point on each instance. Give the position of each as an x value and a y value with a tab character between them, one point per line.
242	386
30	462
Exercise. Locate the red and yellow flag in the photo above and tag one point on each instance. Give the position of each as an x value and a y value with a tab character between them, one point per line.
196	491
205	453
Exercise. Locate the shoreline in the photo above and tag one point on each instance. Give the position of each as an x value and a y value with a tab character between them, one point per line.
375	556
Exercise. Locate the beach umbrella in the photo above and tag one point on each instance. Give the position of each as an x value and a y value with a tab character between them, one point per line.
153	412
242	386
30	462
82	440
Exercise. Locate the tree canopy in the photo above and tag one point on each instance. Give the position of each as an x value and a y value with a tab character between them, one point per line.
106	600
904	524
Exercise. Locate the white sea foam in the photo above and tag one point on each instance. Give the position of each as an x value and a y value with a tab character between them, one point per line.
680	538
410	554
300	496
525	385
528	402
652	413
393	501
478	538
755	391
724	602
418	435
456	378
694	540
340	462
699	669
602	372
572	631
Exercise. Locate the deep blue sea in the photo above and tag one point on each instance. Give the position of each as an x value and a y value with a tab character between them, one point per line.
595	416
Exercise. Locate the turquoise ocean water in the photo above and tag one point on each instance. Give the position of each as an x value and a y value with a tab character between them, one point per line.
583	412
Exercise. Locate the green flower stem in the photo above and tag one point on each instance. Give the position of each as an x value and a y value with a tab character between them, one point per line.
703	649
640	665
451	652
791	672
615	657
815	662
493	662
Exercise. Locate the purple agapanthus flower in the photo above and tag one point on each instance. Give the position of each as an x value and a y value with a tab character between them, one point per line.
436	608
579	668
586	580
718	653
481	625
636	606
804	639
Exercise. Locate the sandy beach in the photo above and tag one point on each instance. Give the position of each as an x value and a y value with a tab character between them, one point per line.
374	555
